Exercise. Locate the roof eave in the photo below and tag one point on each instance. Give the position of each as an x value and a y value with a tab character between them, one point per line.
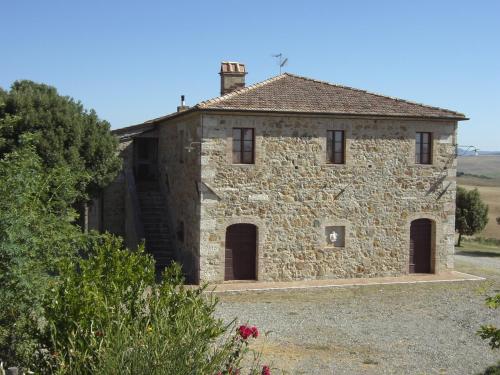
455	118
150	124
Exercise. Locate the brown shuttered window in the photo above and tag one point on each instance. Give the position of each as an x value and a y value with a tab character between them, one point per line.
423	148
243	146
335	145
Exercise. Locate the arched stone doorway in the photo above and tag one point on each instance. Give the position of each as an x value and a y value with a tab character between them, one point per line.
421	246
241	252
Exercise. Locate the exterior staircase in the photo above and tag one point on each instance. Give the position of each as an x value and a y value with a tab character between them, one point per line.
156	229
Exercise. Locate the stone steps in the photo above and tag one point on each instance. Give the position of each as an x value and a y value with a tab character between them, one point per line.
156	230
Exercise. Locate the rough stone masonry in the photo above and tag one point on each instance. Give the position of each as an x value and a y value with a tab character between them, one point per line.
291	192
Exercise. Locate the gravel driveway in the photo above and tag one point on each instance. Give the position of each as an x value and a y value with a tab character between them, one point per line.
390	329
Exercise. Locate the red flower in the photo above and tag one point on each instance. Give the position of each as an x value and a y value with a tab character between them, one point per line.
266	370
245	331
255	332
98	334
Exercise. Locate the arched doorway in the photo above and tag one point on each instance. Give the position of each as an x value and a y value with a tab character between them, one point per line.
241	252
420	246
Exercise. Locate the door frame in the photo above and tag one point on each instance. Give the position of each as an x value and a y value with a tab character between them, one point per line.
255	271
261	234
435	234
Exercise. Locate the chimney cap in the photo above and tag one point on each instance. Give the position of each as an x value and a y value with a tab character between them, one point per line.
232	67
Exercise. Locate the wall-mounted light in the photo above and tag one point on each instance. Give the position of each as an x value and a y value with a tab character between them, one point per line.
191	146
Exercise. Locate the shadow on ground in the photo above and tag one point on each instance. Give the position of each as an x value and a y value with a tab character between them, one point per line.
475	253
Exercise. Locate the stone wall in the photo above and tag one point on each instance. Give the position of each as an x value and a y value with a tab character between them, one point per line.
292	194
179	179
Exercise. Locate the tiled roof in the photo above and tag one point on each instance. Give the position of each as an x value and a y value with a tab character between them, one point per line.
291	93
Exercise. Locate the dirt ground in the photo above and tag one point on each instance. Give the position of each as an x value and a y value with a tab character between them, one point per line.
390	329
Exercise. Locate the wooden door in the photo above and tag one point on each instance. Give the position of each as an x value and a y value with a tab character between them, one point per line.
420	246
241	252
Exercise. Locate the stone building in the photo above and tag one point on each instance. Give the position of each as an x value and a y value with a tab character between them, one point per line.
287	179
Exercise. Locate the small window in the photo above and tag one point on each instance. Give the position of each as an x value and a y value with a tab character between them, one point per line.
335	145
423	148
335	236
243	146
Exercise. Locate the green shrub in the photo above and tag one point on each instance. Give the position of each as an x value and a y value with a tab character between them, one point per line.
471	213
35	234
107	315
490	332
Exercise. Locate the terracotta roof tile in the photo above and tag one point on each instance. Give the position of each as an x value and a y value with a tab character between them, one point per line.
291	93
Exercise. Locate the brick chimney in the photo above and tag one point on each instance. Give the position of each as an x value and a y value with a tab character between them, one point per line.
232	76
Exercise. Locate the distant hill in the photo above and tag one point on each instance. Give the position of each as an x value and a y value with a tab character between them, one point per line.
466	152
480	166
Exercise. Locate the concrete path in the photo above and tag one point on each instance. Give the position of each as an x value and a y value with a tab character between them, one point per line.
243	286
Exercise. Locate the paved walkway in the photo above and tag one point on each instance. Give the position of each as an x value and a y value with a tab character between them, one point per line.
243	286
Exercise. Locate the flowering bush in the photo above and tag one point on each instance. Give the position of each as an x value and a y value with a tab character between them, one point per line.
107	315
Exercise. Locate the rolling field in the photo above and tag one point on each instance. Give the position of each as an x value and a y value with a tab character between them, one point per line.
487	165
489	188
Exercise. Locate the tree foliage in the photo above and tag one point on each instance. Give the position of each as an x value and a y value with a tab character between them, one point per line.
65	133
471	213
35	234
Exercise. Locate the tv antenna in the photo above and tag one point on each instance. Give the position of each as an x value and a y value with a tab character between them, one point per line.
282	61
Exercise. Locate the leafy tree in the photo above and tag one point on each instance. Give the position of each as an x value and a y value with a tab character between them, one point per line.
471	213
35	234
65	133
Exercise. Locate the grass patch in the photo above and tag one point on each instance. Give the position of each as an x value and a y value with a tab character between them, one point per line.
480	244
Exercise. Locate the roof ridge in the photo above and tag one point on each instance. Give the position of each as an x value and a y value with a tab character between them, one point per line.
239	91
374	93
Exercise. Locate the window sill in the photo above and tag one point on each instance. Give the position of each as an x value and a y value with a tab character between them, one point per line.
243	165
332	165
423	165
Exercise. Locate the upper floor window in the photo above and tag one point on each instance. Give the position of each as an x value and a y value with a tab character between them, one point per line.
335	146
243	145
423	148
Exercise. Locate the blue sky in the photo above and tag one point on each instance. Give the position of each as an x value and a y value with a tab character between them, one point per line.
131	60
